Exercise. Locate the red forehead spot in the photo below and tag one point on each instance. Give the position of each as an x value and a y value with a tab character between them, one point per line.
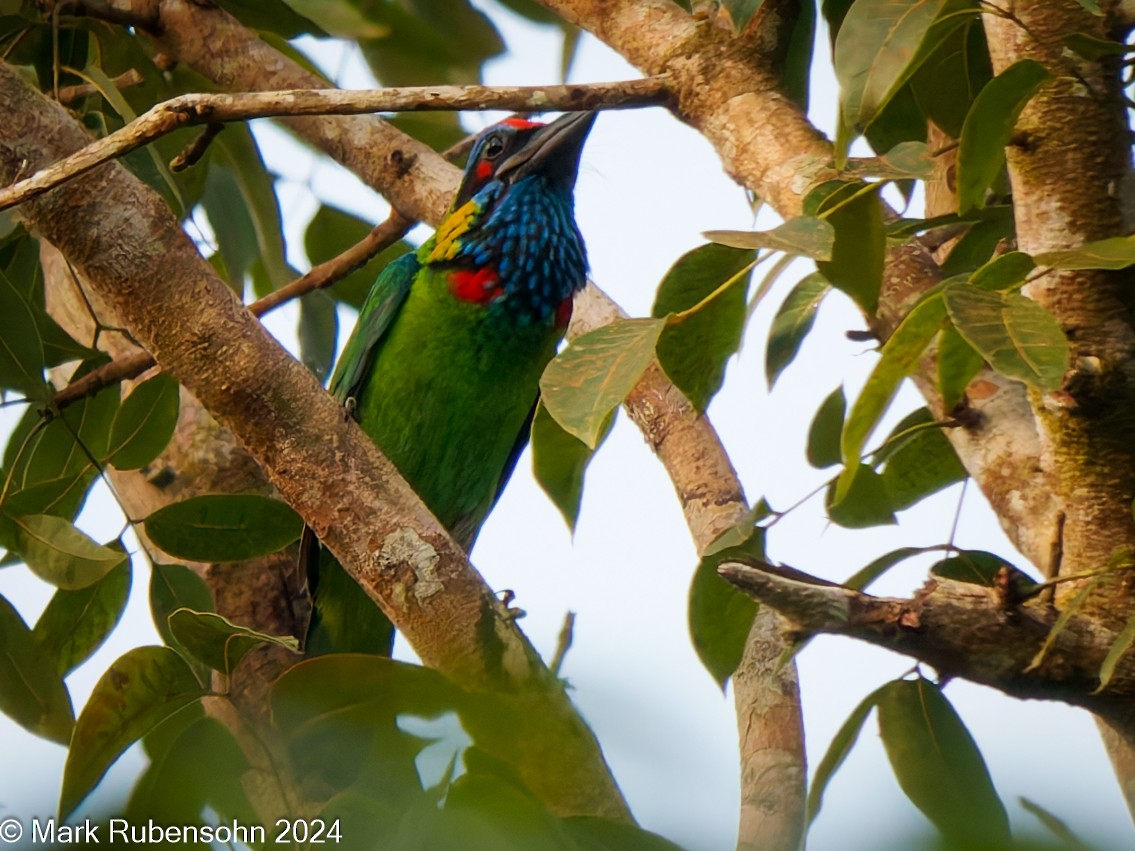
478	286
484	169
521	123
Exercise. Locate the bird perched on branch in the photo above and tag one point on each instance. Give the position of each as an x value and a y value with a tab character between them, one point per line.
442	369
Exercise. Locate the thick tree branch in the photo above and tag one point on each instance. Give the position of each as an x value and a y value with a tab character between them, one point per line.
963	630
194	109
128	247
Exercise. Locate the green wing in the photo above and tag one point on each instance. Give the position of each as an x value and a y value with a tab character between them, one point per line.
381	306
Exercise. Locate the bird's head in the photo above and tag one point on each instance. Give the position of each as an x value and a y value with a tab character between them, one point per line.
510	241
516	148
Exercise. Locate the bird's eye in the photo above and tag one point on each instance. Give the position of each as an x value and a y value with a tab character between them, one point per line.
494	147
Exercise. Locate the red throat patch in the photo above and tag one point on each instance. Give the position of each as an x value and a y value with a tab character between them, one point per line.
563	313
478	286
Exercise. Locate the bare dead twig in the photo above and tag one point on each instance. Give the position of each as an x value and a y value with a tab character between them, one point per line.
188	110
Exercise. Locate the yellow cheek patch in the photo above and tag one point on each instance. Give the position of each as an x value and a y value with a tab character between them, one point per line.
456	224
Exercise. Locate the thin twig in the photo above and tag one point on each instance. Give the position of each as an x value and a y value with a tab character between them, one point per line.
192	109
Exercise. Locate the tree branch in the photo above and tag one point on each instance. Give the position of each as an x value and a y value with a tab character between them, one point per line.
194	109
962	630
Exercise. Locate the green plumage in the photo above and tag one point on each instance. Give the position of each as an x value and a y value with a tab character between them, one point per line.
443	368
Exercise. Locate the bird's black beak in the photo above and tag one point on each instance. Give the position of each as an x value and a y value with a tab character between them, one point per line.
552	151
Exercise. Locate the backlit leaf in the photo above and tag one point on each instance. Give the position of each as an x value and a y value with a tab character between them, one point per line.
989	125
1117	252
837	752
173	587
866	503
59	553
559	461
223	527
879	45
1004	272
138	692
32	692
1123	642
823	434
922	463
868	574
694	352
792	323
144	423
1018	337
900	355
958	364
75	623
318	332
721	616
856	264
804	236
938	765
21	350
218	642
594	374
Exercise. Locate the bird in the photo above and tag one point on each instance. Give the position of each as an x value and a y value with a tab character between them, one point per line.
442	369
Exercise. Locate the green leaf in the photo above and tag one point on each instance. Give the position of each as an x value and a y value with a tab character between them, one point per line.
318	332
921	463
138	692
803	236
867	501
958	365
223	527
1018	337
594	374
144	423
559	461
21	350
823	434
721	616
1055	824
989	126
1092	6
218	642
1092	48
173	587
879	45
946	84
76	623
837	752
906	160
980	242
856	264
977	567
1004	272
693	352
59	553
600	834
257	188
275	16
201	766
792	323
1123	642
900	355
939	766
338	18
32	692
332	231
866	575
1117	252
741	11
